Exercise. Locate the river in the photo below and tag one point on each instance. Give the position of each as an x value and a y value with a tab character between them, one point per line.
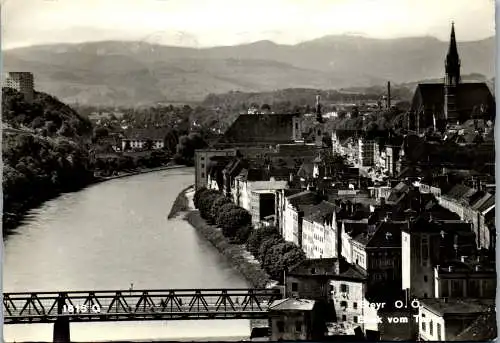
108	236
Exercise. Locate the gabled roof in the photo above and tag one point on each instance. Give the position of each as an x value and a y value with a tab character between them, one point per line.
143	134
450	306
306	170
386	235
292	304
430	96
326	267
484	203
296	150
305	197
458	192
260	128
321	212
355	227
483	328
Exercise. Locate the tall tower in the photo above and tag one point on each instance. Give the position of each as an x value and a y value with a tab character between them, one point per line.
451	80
319	117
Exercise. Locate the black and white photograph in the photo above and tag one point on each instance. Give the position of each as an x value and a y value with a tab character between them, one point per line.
248	170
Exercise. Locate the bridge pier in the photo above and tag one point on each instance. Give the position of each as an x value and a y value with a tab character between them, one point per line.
61	331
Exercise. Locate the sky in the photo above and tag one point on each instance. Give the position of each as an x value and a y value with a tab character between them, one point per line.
204	23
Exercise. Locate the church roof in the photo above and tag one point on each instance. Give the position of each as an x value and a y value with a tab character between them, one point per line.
430	96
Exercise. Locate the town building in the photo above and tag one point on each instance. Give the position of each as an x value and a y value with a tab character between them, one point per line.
296	319
368	152
376	248
469	277
22	82
438	105
476	207
293	215
319	231
426	243
442	319
201	163
340	285
139	139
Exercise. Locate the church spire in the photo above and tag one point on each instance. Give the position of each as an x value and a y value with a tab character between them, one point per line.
452	64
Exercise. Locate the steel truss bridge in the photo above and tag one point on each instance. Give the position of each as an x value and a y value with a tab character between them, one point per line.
61	308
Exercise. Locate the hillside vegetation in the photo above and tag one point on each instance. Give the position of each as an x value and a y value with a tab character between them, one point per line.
44	157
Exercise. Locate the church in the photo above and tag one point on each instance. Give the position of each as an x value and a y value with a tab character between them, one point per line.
441	105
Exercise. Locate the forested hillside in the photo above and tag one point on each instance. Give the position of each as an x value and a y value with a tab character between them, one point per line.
45	154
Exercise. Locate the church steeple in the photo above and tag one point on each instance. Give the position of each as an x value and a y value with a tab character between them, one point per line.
451	80
452	64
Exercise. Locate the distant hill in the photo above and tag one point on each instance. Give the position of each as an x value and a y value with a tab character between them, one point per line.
135	73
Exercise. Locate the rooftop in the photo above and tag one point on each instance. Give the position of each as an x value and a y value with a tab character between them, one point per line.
454	306
292	304
482	329
260	128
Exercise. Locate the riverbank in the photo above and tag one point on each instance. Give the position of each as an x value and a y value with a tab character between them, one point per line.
137	172
181	203
241	259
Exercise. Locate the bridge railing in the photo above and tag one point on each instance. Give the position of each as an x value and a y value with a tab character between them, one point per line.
140	304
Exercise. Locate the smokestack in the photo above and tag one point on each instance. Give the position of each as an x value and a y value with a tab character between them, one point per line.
389	95
319	117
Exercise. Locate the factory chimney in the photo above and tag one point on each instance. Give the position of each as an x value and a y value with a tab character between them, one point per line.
319	117
388	95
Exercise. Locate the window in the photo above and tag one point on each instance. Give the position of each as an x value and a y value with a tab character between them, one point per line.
425	278
295	286
444	289
431	328
355	305
281	326
202	165
296	126
298	326
438	329
202	174
203	158
423	325
344	318
343	304
344	288
355	319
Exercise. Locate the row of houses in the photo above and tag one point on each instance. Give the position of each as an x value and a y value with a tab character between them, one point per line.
385	242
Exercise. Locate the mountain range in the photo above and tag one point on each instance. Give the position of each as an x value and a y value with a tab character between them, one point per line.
136	73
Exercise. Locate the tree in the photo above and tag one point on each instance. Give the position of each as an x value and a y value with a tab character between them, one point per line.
171	140
100	132
266	245
230	221
258	236
187	146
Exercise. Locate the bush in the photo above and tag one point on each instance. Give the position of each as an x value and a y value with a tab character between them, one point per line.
197	195
242	234
216	207
205	202
224	209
